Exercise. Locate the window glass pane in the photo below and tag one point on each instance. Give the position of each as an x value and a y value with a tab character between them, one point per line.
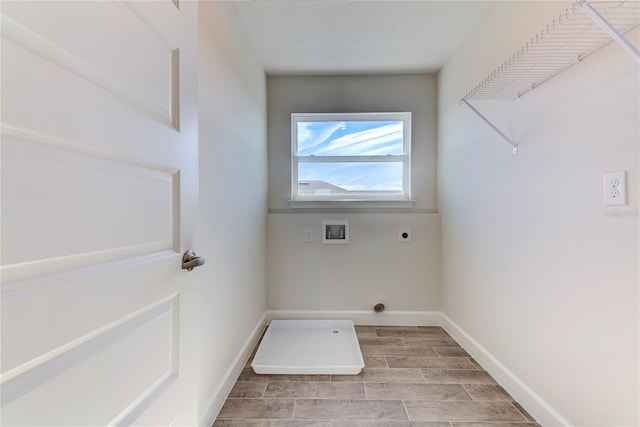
342	178
350	138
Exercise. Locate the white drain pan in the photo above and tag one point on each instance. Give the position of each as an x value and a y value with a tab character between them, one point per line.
309	347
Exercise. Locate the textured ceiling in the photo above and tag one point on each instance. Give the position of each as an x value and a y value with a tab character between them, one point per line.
342	37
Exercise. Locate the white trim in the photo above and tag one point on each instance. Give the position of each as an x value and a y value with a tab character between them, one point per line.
31	374
405	158
305	204
389	158
544	413
28	135
145	169
388	318
174	113
231	376
136	408
361	317
15	287
25	270
65	60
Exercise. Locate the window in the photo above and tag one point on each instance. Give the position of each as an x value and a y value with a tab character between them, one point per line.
353	156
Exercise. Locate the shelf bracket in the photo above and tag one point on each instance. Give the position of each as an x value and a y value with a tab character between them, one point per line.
609	29
513	145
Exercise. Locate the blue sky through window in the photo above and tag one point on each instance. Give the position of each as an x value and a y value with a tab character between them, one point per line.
355	176
352	138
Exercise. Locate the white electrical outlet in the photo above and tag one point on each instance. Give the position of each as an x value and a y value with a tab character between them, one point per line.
308	235
615	188
404	235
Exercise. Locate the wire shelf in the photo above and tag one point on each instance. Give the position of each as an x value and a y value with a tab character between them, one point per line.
573	35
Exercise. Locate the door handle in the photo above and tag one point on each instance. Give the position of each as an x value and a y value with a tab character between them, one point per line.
190	260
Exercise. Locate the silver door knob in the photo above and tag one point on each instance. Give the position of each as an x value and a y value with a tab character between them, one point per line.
190	260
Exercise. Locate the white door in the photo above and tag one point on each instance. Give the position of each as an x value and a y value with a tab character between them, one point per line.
99	187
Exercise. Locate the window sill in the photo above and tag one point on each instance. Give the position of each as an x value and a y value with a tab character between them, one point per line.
296	204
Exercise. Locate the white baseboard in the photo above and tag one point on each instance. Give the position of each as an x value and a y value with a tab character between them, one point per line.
363	317
532	402
387	318
230	377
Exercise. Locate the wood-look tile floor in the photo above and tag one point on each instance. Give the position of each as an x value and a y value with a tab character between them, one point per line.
413	377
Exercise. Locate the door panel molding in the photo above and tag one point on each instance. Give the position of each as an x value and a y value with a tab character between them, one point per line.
37	372
31	284
99	196
44	49
133	176
143	402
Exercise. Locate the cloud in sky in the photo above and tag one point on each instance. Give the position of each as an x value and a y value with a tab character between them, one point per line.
312	134
352	138
356	138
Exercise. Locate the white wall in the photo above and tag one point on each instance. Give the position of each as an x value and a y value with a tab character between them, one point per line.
374	266
535	267
353	94
233	176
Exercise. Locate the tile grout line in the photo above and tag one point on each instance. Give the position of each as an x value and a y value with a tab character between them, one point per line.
265	389
467	391
421	379
293	413
405	410
520	412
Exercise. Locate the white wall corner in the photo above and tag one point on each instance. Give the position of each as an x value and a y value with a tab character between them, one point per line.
361	317
208	416
544	414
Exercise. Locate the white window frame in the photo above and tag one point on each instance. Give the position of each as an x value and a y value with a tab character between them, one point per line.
386	200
